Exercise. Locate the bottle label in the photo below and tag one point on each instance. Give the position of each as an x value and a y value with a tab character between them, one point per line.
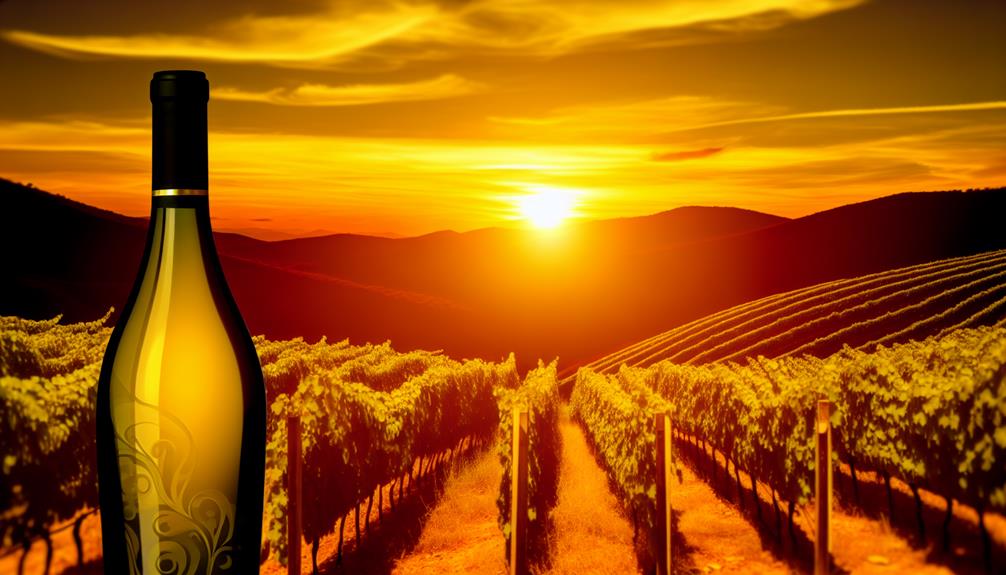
173	525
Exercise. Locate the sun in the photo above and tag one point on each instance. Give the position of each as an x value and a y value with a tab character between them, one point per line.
546	207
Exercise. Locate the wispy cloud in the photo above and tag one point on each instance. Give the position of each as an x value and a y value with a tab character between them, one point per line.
552	28
75	135
634	121
290	40
410	31
439	88
700	122
852	112
685	154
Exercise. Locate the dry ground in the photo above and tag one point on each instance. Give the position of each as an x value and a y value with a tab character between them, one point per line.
714	536
447	524
64	557
461	534
590	534
864	540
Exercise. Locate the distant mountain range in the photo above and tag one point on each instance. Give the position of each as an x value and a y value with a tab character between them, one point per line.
578	293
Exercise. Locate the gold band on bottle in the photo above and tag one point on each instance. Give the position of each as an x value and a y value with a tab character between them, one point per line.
180	192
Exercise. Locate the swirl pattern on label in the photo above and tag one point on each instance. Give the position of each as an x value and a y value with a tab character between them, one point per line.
185	531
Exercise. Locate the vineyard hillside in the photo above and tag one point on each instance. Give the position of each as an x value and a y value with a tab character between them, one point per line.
895	306
589	288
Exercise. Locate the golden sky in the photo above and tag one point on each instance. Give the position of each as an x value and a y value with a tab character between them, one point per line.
408	117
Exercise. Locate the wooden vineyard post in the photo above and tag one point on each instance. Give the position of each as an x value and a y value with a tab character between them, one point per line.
294	511
823	484
665	473
518	494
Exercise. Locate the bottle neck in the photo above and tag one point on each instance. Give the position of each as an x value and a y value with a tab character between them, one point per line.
181	258
181	255
181	218
179	149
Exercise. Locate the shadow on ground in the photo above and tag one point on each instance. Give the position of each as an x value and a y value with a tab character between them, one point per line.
96	567
398	531
867	497
772	521
643	545
957	544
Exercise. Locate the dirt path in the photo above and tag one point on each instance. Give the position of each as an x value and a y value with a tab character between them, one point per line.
461	534
591	536
712	532
716	535
64	557
449	525
719	534
713	535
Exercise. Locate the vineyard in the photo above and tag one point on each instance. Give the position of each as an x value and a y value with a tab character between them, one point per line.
931	413
889	307
371	421
917	385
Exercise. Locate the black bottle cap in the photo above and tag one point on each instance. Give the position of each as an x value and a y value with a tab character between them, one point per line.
179	85
179	157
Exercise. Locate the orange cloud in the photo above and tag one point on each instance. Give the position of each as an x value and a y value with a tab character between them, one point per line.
685	154
439	88
413	31
282	40
551	28
968	107
635	121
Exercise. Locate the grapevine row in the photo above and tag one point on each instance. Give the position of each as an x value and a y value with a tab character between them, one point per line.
48	374
618	421
369	416
356	439
539	395
932	413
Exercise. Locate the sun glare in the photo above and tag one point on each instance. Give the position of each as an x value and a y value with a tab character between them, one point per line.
546	207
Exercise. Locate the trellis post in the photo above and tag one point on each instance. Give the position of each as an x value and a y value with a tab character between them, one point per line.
518	494
662	426
823	484
293	480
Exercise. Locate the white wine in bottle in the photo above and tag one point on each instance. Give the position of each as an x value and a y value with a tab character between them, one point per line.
181	400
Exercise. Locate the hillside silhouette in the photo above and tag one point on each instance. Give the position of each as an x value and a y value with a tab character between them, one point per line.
580	292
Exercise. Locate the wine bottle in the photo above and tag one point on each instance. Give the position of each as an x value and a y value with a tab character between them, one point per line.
181	399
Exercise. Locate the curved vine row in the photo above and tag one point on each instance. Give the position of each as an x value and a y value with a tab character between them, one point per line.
926	299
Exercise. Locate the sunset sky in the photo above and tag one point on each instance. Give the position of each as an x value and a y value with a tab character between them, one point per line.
408	117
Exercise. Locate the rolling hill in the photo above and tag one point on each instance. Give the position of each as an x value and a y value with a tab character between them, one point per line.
890	307
580	293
